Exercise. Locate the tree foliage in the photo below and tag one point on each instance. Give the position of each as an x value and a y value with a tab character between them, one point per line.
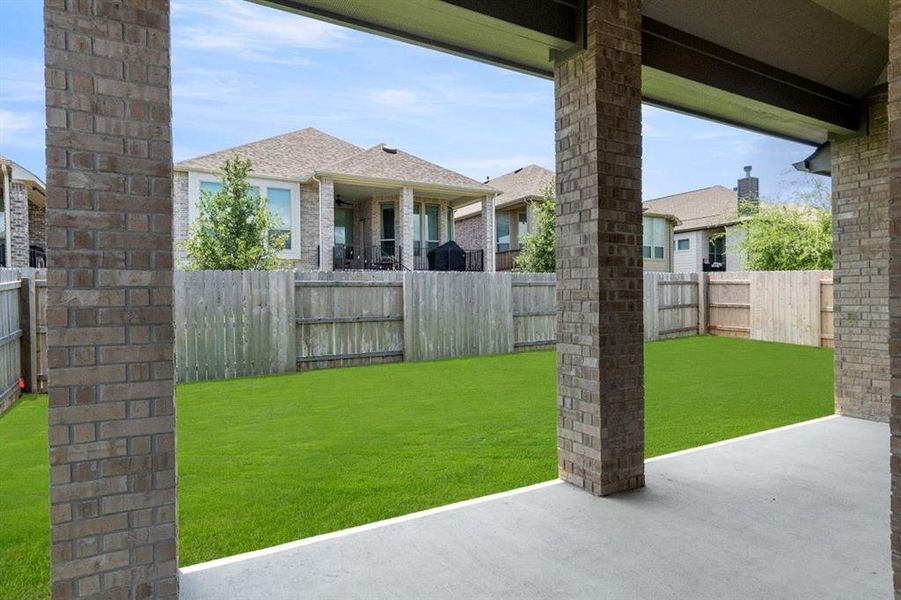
234	229
784	237
537	253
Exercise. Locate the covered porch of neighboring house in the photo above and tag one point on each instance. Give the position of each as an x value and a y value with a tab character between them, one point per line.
23	233
366	225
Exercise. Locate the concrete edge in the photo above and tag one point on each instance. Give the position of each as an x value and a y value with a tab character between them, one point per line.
221	562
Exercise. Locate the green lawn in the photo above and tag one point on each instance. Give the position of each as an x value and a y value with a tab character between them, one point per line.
270	459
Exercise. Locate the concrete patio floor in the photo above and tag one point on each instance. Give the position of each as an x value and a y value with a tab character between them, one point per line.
798	512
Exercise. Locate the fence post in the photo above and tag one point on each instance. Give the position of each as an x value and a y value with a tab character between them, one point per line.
28	342
702	303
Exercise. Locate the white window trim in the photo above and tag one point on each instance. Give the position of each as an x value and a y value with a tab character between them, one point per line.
195	179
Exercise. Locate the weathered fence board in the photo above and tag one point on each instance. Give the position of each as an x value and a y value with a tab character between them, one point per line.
457	314
232	324
10	335
348	318
534	310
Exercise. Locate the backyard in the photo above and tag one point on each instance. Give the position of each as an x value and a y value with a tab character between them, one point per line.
267	460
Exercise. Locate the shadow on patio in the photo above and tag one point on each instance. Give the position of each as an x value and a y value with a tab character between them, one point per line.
796	512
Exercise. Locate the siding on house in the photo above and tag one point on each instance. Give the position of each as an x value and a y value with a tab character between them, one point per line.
690	260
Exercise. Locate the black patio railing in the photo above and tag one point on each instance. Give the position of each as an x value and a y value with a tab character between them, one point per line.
505	260
37	257
351	257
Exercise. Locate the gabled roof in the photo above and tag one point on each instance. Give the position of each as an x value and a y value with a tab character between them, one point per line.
391	164
522	184
295	155
706	208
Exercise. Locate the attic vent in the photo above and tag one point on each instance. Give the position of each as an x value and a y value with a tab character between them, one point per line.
389	150
518	170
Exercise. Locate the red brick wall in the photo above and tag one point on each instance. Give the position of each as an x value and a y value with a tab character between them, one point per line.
600	387
109	217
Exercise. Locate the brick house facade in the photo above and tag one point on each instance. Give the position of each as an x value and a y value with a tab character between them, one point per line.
341	202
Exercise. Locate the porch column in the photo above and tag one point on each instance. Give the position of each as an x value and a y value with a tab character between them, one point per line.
894	301
109	300
443	233
18	225
488	228
326	225
600	368
405	235
860	198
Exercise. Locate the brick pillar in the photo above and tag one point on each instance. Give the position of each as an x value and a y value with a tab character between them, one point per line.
109	197
894	305
443	232
860	194
489	234
600	367
405	233
327	225
18	224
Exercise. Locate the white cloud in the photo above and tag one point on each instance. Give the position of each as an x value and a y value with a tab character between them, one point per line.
249	32
21	80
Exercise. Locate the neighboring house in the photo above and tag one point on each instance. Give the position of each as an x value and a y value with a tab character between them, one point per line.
513	217
657	233
23	233
706	237
343	206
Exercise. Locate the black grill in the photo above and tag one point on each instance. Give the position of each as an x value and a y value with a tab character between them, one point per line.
447	257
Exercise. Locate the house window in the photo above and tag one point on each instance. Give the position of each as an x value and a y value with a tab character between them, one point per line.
425	222
683	244
502	227
522	226
387	240
654	233
282	197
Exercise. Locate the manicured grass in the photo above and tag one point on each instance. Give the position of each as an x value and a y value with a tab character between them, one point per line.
272	459
24	501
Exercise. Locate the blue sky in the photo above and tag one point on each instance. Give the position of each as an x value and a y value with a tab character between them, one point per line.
242	72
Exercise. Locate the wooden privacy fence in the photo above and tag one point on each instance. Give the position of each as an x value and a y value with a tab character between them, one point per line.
23	347
231	324
794	307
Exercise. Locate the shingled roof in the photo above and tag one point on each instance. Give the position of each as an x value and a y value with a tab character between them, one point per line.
522	184
709	207
382	162
296	155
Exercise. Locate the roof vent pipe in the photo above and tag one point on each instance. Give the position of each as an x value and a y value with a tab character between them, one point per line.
389	150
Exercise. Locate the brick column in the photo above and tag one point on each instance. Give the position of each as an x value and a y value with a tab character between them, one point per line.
443	233
109	217
18	224
489	233
860	196
894	216
405	233
600	368
327	225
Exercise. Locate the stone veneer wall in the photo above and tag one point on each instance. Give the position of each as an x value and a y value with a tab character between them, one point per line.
18	225
109	300
470	233
37	225
860	194
600	368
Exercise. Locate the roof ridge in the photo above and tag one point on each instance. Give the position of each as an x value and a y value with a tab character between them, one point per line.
268	139
709	187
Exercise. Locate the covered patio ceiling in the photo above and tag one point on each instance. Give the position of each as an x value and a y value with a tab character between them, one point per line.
724	61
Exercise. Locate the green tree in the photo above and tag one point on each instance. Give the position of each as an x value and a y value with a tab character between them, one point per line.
234	229
537	254
785	237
